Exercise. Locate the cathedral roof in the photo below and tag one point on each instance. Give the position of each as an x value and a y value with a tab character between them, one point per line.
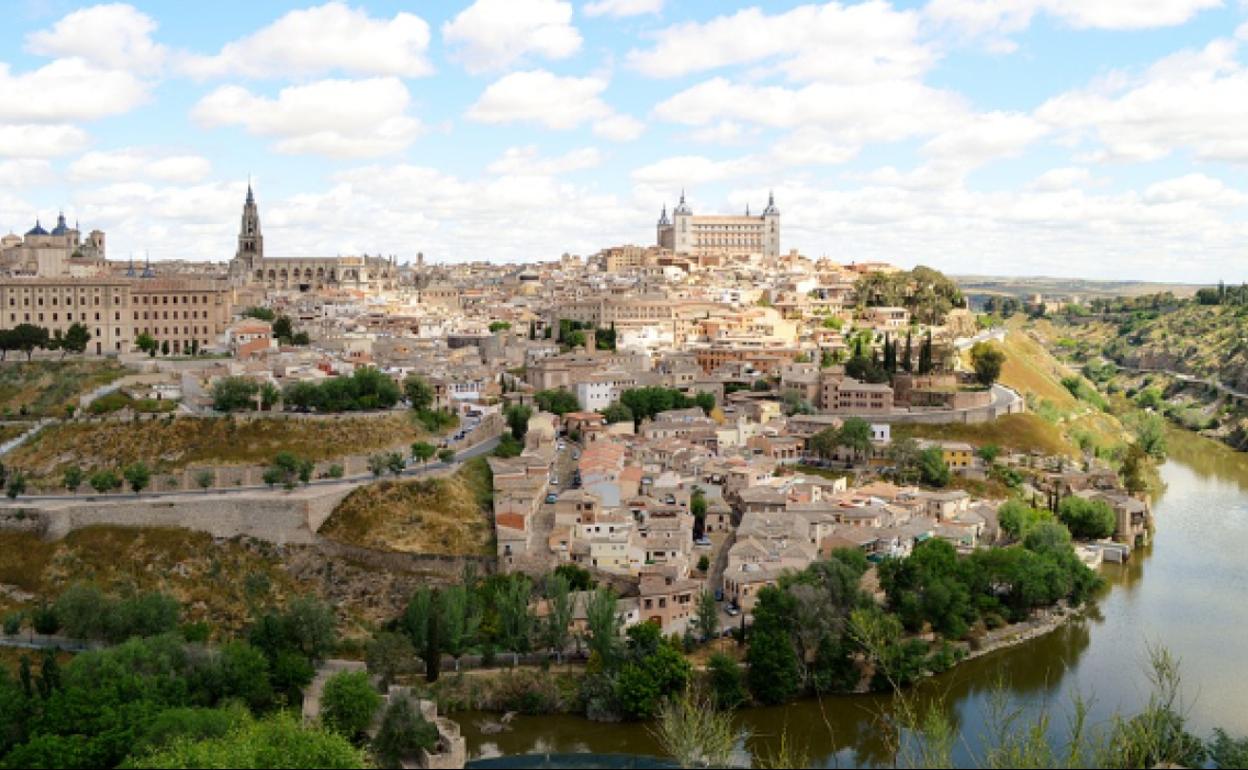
37	229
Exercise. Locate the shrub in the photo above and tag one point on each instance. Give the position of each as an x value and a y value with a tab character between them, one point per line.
403	733
348	703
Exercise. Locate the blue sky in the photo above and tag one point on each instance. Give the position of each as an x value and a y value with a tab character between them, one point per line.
1095	138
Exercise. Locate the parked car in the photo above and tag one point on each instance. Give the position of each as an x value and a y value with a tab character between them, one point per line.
703	542
552	498
732	611
719	594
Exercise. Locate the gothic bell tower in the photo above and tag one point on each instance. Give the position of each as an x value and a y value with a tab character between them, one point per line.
250	241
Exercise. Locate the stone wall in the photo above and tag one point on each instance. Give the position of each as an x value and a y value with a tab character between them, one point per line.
277	518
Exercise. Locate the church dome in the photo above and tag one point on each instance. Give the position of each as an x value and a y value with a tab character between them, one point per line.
61	228
37	229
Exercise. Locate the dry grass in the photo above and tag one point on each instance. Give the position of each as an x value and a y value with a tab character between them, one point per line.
216	582
12	430
449	516
45	388
222	583
171	443
1022	432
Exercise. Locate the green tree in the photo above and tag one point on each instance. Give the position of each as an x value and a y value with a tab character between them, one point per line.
432	653
283	329
855	435
28	337
1150	434
617	412
605	623
233	394
103	481
518	420
146	343
389	655
277	741
446	456
1016	518
419	393
395	463
423	452
1087	519
138	476
558	401
932	468
269	395
377	464
727	682
987	360
403	733
559	610
773	676
76	338
707	618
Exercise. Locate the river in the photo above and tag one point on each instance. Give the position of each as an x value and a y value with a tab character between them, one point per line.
1188	592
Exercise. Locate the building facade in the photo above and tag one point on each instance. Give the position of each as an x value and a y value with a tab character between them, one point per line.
187	314
62	251
702	235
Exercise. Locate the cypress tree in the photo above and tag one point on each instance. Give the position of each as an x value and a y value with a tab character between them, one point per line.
908	361
433	638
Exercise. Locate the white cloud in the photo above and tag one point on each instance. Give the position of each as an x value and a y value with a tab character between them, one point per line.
24	172
40	141
886	111
115	36
1061	179
492	34
538	96
619	128
621	8
335	118
996	18
1196	100
328	38
866	42
132	162
525	161
985	136
67	90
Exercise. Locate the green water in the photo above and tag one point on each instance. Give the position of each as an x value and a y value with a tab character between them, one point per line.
1189	592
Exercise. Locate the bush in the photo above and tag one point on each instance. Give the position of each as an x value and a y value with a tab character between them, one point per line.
403	733
726	680
348	703
13	623
1087	519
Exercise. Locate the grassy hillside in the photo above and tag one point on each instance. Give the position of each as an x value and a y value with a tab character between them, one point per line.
1022	432
45	388
448	515
221	582
1057	420
171	443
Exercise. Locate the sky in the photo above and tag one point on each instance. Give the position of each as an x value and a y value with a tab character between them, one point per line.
1083	138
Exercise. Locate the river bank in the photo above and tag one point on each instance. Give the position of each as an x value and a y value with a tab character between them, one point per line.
1191	603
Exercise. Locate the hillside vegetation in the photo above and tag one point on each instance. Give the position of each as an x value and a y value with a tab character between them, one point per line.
220	582
449	515
45	388
175	442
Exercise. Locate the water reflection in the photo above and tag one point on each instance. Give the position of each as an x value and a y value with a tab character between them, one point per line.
1192	602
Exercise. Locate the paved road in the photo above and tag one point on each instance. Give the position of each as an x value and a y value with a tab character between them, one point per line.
482	448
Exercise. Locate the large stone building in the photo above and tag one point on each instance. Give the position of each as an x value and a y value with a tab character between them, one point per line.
250	268
187	314
686	233
59	252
